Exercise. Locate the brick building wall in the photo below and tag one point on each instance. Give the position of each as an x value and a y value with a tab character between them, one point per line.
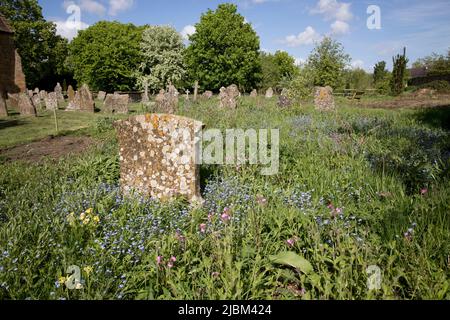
12	79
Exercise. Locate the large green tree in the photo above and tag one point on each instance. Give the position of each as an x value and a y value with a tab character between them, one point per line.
107	55
162	57
43	52
224	50
328	62
276	68
437	64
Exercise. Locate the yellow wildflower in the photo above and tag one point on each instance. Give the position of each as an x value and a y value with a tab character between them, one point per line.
96	219
86	221
82	216
62	280
88	270
89	211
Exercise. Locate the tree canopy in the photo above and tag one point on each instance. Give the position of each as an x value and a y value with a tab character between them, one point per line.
43	52
275	68
224	50
162	51
106	56
328	62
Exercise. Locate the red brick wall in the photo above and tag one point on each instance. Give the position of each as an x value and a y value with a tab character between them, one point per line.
12	78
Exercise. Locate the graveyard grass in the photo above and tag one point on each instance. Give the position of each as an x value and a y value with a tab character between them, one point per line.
356	188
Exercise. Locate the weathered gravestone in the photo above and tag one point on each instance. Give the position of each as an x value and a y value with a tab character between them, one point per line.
101	96
254	93
36	90
269	93
43	94
59	94
30	93
324	99
116	103
37	101
26	106
51	102
13	100
228	97
283	100
3	109
158	154
207	95
70	93
82	101
167	101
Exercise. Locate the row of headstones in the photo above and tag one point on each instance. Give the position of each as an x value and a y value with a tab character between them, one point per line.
168	143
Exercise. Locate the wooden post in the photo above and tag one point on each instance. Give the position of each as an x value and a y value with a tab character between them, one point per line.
56	120
195	90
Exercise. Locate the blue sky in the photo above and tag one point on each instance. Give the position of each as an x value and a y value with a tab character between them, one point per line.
290	25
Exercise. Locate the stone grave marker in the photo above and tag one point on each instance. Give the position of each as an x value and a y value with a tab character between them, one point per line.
269	93
101	96
59	94
13	100
254	93
228	97
26	106
82	101
116	103
70	93
324	99
283	100
37	101
207	95
158	154
51	102
3	109
167	101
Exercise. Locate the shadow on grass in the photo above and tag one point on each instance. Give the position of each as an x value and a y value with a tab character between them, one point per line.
6	123
436	117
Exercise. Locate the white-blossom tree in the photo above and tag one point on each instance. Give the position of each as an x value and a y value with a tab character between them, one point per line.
162	58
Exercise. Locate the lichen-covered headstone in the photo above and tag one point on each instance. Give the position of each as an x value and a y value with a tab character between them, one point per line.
207	95
59	94
36	90
101	96
228	97
324	99
83	100
269	93
30	93
283	100
116	103
51	102
254	93
158	154
70	93
26	107
3	109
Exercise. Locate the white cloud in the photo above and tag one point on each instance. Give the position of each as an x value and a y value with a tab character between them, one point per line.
309	36
339	28
187	31
115	6
333	10
92	6
358	64
69	29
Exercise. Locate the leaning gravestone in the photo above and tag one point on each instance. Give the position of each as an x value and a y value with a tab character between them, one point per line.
59	94
254	93
51	102
207	95
324	99
269	93
82	101
116	103
283	100
30	93
37	101
13	100
26	106
3	109
101	96
228	97
70	93
158	156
